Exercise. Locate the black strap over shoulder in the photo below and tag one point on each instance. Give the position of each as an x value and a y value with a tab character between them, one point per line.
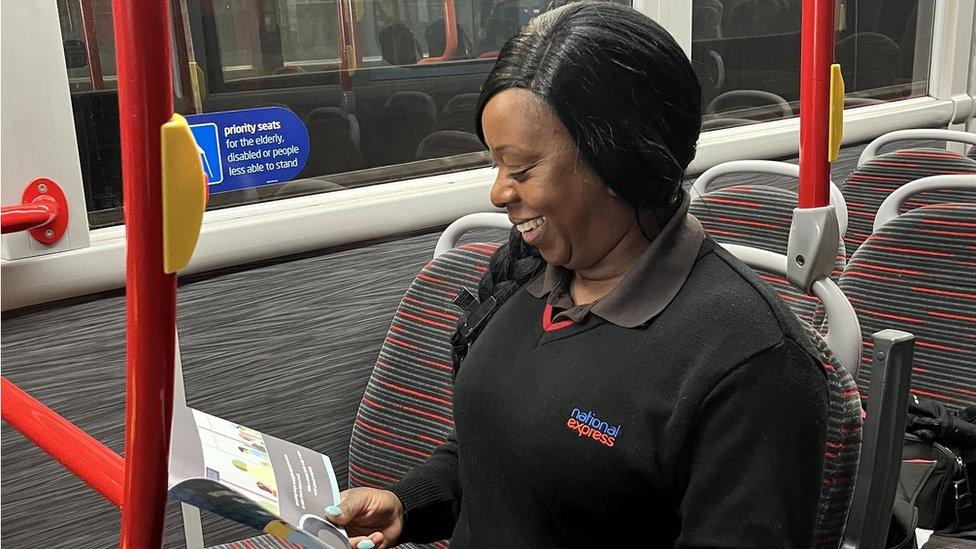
475	315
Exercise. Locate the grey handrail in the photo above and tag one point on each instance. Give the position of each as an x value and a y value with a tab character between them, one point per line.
843	328
704	181
871	150
483	220
891	207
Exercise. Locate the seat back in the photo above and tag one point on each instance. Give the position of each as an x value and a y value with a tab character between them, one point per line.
868	60
844	433
844	423
706	23
760	216
409	115
459	113
749	104
916	274
398	44
448	143
872	181
761	17
334	142
406	411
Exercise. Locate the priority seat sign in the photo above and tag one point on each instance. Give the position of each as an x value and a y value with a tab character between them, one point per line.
251	147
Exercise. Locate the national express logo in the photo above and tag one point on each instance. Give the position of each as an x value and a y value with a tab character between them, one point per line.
586	424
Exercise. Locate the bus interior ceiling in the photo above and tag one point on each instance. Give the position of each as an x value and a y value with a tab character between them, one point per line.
285	347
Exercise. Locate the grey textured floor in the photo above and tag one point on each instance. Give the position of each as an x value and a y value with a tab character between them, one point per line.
284	347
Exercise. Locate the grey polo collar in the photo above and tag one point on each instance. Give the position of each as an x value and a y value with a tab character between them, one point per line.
645	290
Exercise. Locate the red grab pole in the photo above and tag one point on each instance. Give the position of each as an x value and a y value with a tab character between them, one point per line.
816	56
142	44
89	459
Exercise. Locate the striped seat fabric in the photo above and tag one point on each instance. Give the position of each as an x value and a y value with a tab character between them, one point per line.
843	448
873	181
917	274
260	542
407	409
758	216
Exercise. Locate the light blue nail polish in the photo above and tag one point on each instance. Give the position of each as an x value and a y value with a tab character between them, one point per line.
333	510
365	544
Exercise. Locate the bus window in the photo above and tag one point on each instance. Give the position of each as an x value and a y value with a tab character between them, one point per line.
387	89
746	54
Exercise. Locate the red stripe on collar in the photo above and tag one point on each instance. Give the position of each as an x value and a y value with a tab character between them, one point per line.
547	323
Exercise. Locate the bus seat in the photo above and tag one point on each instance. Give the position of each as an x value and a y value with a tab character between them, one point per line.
867	60
915	273
448	143
972	152
410	117
761	17
722	123
259	542
398	44
406	411
874	179
706	23
710	69
436	40
302	187
854	102
759	215
459	113
873	148
334	142
839	349
749	104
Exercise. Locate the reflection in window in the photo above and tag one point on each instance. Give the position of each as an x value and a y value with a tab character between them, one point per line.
86	24
747	54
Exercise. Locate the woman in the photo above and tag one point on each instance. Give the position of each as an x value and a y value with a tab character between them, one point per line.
666	397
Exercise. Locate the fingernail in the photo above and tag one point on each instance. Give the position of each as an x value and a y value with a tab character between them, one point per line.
365	544
334	510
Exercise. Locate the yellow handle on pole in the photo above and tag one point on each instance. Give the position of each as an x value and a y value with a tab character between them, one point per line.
836	131
184	193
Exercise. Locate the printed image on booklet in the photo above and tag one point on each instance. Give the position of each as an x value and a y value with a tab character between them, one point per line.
257	480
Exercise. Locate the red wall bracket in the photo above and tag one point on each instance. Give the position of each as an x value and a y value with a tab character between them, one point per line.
43	212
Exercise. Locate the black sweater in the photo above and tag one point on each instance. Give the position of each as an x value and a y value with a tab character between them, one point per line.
705	427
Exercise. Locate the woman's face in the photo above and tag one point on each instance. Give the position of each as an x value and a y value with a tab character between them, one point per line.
554	198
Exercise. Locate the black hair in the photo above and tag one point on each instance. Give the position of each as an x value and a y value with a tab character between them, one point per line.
628	96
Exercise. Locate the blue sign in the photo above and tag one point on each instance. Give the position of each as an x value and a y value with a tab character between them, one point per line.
250	148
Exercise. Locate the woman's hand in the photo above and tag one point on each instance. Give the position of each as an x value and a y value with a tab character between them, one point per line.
371	517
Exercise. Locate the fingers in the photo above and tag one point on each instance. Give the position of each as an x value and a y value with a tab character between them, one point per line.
352	503
372	541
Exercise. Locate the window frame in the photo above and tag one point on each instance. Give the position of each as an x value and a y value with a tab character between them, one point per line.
254	232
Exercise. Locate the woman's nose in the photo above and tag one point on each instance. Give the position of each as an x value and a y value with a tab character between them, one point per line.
502	192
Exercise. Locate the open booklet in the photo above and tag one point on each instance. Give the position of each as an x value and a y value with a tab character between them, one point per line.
254	479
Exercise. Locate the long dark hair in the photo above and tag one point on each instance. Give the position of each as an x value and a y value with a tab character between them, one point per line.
629	98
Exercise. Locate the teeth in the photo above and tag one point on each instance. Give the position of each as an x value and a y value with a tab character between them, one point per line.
531	224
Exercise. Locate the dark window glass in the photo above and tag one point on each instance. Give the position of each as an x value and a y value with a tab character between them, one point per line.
386	88
747	55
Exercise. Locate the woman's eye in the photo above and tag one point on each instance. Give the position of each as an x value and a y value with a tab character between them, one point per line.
520	175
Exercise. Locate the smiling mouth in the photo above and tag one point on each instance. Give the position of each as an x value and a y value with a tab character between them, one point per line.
531	229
